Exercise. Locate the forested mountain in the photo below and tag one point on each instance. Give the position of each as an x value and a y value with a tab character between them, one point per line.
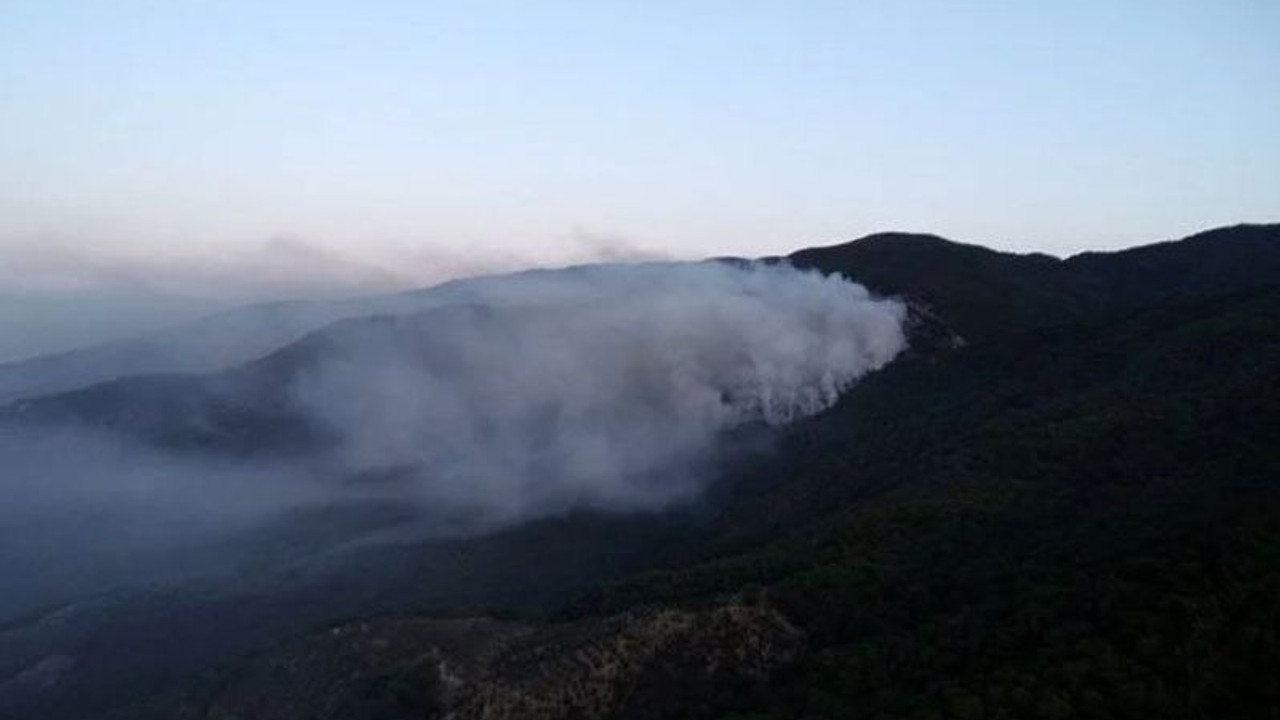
957	293
983	293
1062	504
1089	534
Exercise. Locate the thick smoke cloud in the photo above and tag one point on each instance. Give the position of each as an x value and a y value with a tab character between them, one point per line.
604	386
506	399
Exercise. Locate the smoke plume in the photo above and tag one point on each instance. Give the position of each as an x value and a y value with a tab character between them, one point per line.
600	386
478	404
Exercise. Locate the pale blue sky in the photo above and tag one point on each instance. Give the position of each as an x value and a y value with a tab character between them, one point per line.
395	129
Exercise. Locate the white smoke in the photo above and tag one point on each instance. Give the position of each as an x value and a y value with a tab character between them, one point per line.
598	386
507	399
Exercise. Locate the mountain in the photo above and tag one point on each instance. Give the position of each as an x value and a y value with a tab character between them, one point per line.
1069	513
233	337
1076	522
981	292
978	292
956	293
646	663
216	342
43	323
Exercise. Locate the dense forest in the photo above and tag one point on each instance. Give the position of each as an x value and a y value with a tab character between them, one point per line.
1077	522
1061	502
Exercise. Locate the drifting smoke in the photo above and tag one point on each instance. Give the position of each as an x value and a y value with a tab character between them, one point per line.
601	386
504	400
82	512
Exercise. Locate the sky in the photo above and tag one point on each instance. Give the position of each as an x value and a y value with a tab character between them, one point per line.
233	149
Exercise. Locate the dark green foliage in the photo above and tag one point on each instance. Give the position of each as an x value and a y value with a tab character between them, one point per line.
1079	522
1077	514
985	294
980	292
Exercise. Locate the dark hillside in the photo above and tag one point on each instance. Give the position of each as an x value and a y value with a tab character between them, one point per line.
978	292
955	290
1071	515
1213	262
1073	523
983	293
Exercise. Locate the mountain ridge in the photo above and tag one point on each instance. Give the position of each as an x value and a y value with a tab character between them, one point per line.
890	263
955	293
1026	524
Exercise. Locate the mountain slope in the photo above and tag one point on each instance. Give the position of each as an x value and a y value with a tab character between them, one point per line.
1213	262
234	337
1070	523
642	664
1070	515
1073	521
253	408
982	293
956	293
976	291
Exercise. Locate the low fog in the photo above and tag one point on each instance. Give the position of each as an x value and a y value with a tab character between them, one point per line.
85	513
508	399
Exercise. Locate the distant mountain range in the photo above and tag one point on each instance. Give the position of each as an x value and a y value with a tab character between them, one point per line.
226	339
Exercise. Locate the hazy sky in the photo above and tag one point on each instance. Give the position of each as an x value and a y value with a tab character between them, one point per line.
423	139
